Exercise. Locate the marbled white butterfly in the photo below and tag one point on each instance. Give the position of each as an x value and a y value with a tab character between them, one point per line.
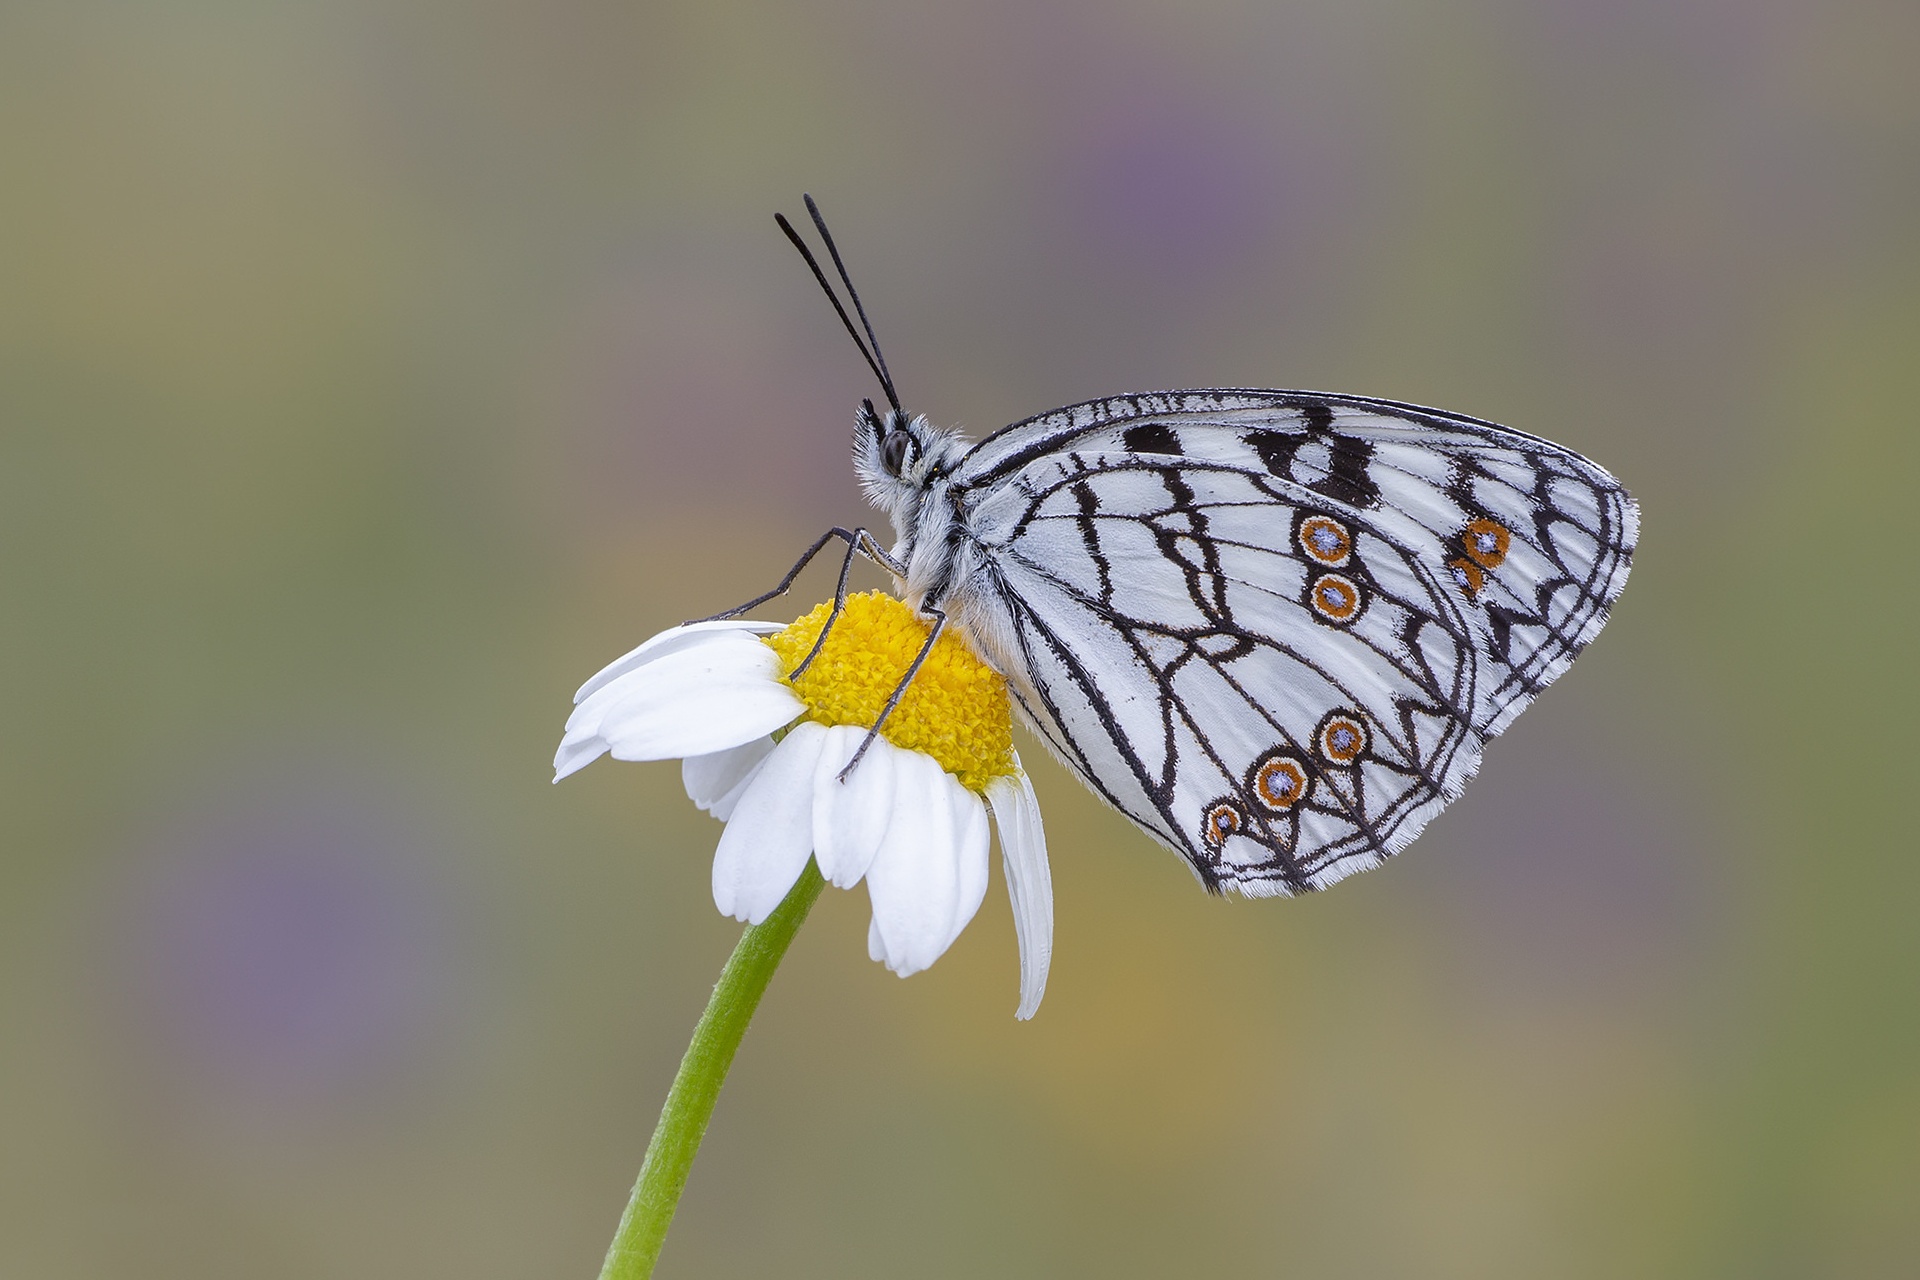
1273	628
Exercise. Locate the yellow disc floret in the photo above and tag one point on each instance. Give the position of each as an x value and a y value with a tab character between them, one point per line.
956	709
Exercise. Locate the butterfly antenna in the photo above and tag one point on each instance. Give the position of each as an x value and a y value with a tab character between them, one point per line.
820	223
874	361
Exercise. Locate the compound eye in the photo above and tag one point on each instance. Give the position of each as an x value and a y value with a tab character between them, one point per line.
896	451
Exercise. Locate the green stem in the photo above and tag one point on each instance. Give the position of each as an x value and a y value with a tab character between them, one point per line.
683	1121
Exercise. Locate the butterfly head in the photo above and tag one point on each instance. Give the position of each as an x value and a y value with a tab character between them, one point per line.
899	458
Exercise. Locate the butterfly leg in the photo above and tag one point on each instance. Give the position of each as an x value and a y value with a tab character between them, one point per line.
852	537
860	541
899	690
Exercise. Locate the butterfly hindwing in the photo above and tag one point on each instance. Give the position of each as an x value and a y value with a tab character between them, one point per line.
1177	655
1274	628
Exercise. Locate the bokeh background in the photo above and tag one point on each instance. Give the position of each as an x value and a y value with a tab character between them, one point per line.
372	373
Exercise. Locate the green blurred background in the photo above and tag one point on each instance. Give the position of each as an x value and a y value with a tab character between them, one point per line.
370	374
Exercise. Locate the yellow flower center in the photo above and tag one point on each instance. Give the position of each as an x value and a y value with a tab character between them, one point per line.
956	709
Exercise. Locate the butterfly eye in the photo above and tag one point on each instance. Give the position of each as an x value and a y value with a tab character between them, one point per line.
896	451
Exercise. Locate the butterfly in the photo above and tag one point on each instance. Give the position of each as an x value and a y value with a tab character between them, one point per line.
1275	629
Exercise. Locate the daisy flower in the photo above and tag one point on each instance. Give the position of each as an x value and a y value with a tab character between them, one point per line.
764	754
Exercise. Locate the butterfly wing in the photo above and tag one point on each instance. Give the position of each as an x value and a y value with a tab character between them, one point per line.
1275	628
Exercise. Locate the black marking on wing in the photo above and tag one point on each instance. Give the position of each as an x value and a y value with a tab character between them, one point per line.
1346	479
1151	437
1089	508
1275	449
1349	481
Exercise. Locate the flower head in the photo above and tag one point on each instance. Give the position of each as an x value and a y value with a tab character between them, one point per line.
764	753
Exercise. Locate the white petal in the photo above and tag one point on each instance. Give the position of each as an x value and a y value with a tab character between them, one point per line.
572	757
718	694
922	897
765	846
876	950
910	882
850	818
723	807
669	641
1023	852
709	778
976	839
730	651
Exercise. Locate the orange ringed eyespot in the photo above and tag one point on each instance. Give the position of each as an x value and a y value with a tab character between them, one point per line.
1325	540
1222	819
1343	740
1334	597
1280	783
1485	542
1467	574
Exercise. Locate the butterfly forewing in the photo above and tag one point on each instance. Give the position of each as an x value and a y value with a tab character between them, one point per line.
1274	628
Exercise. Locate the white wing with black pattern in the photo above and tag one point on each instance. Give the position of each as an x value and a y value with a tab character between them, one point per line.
1275	628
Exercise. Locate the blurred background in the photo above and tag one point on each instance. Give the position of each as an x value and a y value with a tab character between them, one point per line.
370	374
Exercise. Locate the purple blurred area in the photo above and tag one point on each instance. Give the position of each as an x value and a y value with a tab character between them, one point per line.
289	948
371	375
